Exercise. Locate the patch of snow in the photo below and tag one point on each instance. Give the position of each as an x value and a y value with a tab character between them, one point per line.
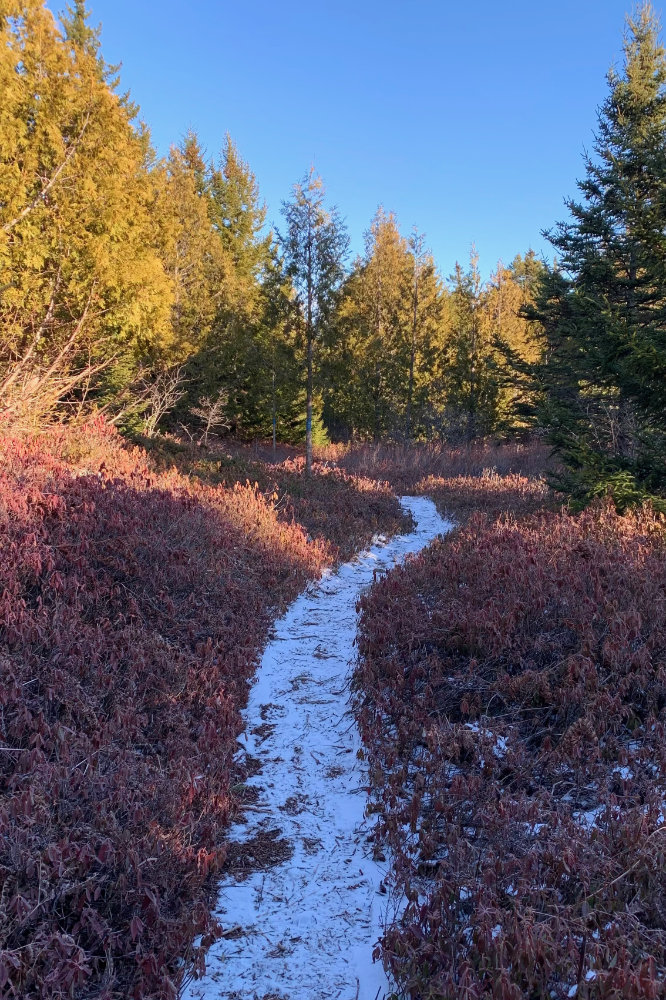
625	772
306	928
588	818
499	749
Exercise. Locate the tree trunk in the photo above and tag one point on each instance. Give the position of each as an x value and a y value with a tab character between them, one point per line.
310	343
308	413
412	359
274	419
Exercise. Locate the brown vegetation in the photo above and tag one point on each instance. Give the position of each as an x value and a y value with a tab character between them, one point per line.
133	607
404	466
512	695
341	510
459	497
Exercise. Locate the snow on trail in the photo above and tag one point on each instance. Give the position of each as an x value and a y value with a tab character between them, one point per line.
305	929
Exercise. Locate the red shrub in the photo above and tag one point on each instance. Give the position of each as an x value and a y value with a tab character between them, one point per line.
132	610
512	695
341	511
459	497
403	465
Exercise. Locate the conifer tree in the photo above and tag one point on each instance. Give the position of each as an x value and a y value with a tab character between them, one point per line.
472	387
193	255
517	339
80	32
314	244
79	270
249	340
604	307
239	218
426	335
382	310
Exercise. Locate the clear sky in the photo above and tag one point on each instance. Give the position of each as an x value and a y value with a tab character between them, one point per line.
467	119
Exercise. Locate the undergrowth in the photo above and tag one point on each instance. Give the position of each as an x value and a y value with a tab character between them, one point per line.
133	606
459	497
339	509
404	466
511	693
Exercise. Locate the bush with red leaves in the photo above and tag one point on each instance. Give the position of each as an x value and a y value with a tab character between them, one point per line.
133	607
458	497
340	510
404	465
511	692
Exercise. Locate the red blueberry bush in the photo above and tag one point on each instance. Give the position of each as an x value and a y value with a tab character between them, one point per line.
459	497
335	507
511	692
404	465
340	510
133	607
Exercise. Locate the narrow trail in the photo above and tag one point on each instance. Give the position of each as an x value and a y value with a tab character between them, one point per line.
305	927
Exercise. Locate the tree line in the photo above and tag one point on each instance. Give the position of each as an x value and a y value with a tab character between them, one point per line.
154	290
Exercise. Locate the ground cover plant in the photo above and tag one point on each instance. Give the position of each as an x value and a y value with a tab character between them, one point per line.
133	606
511	692
341	510
405	465
458	497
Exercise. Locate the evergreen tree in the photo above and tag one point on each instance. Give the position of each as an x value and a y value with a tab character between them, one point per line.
604	308
472	385
193	255
375	317
314	244
239	218
80	273
79	31
427	330
517	339
381	362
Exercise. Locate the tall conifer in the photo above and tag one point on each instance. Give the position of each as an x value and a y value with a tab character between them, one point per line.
604	308
314	244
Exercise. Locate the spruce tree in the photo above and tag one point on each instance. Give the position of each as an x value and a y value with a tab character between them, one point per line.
314	244
472	384
604	307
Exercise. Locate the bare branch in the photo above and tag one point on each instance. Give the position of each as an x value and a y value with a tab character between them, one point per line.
210	412
8	226
163	393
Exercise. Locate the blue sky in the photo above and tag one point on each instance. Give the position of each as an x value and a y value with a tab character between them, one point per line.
466	119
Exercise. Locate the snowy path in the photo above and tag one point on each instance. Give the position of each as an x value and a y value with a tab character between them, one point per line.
306	928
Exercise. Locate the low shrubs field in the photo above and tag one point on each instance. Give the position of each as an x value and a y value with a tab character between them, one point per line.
404	466
342	511
511	693
133	607
458	497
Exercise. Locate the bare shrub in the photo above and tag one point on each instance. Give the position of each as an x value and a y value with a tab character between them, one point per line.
210	411
160	394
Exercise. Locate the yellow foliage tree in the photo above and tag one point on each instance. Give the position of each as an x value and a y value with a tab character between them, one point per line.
81	277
